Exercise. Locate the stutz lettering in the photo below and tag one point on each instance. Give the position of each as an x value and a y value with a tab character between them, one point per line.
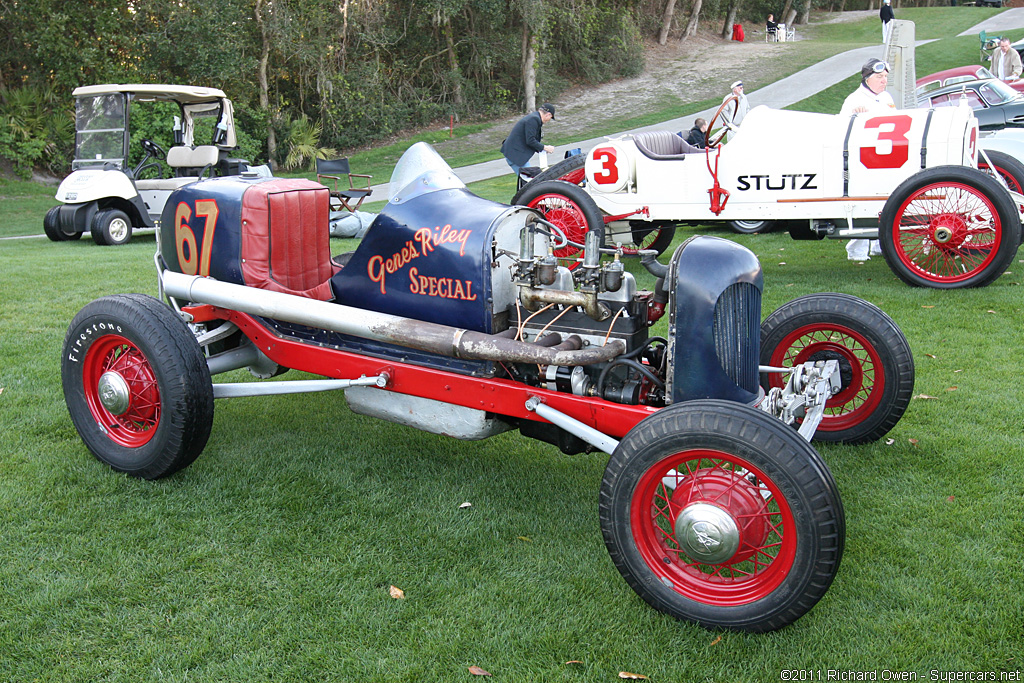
442	287
786	181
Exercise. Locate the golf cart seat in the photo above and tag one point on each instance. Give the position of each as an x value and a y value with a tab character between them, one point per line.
661	145
189	165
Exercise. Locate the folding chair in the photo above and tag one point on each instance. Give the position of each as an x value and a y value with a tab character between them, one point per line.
790	33
337	170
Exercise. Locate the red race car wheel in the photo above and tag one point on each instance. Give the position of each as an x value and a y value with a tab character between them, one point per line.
137	386
569	208
949	227
875	362
718	513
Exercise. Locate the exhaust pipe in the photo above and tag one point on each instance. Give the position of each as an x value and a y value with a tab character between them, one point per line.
444	340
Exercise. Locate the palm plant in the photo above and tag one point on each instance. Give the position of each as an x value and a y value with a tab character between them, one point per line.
304	143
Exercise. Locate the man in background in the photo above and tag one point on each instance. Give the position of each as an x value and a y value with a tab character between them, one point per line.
524	140
886	15
1006	63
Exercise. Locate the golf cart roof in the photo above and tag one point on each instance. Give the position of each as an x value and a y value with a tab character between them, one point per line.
185	94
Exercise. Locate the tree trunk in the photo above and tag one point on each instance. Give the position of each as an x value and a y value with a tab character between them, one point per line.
691	27
529	68
453	64
805	13
666	21
785	12
344	33
791	18
264	84
730	19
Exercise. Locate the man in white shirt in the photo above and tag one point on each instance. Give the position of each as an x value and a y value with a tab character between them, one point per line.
870	97
736	110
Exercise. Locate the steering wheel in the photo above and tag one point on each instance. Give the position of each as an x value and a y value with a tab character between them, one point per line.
153	149
714	140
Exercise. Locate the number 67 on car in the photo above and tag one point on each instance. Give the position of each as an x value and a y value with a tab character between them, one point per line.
909	178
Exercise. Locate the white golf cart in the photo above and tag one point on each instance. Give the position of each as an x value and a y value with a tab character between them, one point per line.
104	195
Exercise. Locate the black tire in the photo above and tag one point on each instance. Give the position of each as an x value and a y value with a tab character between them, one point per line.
751	227
570	170
656	236
51	226
137	386
949	227
1011	170
876	364
111	227
569	207
754	533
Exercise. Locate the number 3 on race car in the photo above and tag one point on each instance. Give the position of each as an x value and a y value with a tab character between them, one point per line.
607	168
892	136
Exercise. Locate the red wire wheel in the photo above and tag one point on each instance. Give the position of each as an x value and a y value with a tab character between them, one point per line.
876	366
121	390
569	208
136	385
949	227
713	526
860	367
1008	168
718	513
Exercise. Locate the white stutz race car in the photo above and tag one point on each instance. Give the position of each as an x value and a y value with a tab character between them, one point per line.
909	179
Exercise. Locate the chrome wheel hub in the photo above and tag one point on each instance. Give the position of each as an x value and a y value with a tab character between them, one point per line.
118	229
113	392
707	533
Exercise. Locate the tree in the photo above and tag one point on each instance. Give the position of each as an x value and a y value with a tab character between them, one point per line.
691	27
666	21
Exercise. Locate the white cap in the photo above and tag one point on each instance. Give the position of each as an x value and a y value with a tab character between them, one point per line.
738	83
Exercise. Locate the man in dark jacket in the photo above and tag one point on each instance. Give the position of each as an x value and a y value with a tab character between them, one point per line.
524	139
697	133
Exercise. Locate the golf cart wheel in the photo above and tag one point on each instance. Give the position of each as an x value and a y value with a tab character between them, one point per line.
570	170
111	227
949	227
567	206
751	227
51	226
875	361
137	386
717	513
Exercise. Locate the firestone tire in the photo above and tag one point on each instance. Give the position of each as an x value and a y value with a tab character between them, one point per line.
111	227
751	227
570	170
51	226
949	227
717	513
137	386
567	206
875	361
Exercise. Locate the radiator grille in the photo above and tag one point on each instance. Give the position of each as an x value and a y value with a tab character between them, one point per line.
738	333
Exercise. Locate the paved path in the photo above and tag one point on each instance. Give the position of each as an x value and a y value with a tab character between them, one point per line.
789	90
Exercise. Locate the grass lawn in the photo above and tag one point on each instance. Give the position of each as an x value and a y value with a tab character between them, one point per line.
271	557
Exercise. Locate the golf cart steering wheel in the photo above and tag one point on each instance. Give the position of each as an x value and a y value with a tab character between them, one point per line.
153	149
154	154
714	140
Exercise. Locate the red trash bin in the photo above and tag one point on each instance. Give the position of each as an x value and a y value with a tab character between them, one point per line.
737	32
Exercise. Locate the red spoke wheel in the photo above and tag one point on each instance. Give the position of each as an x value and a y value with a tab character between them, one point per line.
137	386
569	208
568	170
949	227
718	513
1008	168
876	365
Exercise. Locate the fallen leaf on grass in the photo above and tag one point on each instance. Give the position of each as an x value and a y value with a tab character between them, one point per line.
782	263
951	388
913	442
635	677
958	371
717	640
951	499
927	307
397	593
926	397
477	671
931	355
465	505
525	538
574	661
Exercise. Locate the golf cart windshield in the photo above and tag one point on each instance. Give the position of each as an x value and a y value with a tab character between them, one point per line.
100	131
421	170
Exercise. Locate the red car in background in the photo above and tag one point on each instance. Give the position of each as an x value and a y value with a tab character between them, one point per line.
960	74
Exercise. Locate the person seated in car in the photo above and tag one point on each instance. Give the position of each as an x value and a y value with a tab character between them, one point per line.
696	136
